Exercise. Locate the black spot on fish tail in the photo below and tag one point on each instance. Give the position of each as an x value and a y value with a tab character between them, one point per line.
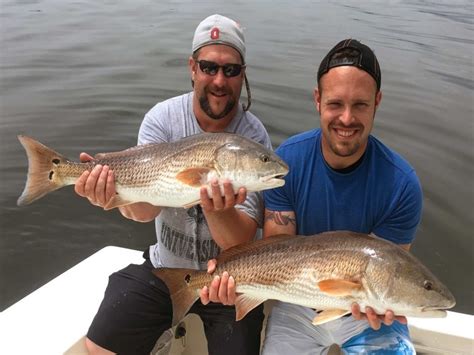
40	179
182	295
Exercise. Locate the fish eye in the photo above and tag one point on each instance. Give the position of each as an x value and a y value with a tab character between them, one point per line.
265	158
187	278
428	285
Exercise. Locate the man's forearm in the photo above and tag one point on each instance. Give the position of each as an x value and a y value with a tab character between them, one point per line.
140	211
231	227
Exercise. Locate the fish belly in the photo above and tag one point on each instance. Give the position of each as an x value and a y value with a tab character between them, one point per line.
311	298
175	197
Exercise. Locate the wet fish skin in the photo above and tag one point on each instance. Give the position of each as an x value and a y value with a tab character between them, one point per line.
163	174
328	272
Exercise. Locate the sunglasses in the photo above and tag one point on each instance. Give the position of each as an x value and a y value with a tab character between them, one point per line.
211	68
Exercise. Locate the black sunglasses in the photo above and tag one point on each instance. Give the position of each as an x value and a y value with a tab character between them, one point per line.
211	68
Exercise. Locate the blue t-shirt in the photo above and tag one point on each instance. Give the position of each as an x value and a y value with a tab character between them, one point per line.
382	195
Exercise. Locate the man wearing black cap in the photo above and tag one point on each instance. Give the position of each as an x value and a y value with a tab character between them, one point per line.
136	309
343	178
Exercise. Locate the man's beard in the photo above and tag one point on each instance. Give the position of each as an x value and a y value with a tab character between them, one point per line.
204	102
345	151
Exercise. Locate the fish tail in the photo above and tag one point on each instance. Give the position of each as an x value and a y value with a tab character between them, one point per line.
42	170
182	293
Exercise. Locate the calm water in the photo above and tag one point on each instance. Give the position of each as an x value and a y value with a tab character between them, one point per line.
79	76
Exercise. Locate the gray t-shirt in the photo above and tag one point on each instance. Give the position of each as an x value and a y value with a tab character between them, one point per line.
183	235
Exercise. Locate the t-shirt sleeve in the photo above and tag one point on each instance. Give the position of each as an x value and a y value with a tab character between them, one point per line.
253	207
278	199
400	226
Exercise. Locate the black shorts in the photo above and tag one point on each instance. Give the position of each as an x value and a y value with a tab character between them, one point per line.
137	309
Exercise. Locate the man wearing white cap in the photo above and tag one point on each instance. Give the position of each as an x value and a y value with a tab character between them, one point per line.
136	308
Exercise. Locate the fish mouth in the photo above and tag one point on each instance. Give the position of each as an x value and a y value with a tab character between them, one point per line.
437	311
275	180
442	308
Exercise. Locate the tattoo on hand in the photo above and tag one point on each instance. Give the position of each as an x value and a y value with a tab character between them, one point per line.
280	218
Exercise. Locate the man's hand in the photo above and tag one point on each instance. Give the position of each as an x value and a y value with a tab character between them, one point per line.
221	290
98	185
216	202
375	320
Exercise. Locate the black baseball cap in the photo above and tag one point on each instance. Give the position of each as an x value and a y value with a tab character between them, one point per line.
351	52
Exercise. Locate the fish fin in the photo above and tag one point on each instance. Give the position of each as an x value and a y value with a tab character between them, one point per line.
244	304
117	201
192	176
182	295
191	204
42	170
339	288
329	315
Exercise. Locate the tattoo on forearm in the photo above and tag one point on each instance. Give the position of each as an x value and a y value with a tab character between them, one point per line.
280	218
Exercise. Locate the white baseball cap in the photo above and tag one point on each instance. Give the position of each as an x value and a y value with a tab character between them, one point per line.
218	29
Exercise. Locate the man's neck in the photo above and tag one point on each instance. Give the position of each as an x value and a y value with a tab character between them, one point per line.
339	163
350	167
209	124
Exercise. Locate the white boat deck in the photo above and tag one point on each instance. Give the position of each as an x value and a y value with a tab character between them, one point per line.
55	318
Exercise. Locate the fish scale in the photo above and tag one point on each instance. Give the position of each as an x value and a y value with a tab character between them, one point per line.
327	272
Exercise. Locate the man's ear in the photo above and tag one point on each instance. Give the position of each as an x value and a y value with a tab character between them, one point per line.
317	99
192	67
378	99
